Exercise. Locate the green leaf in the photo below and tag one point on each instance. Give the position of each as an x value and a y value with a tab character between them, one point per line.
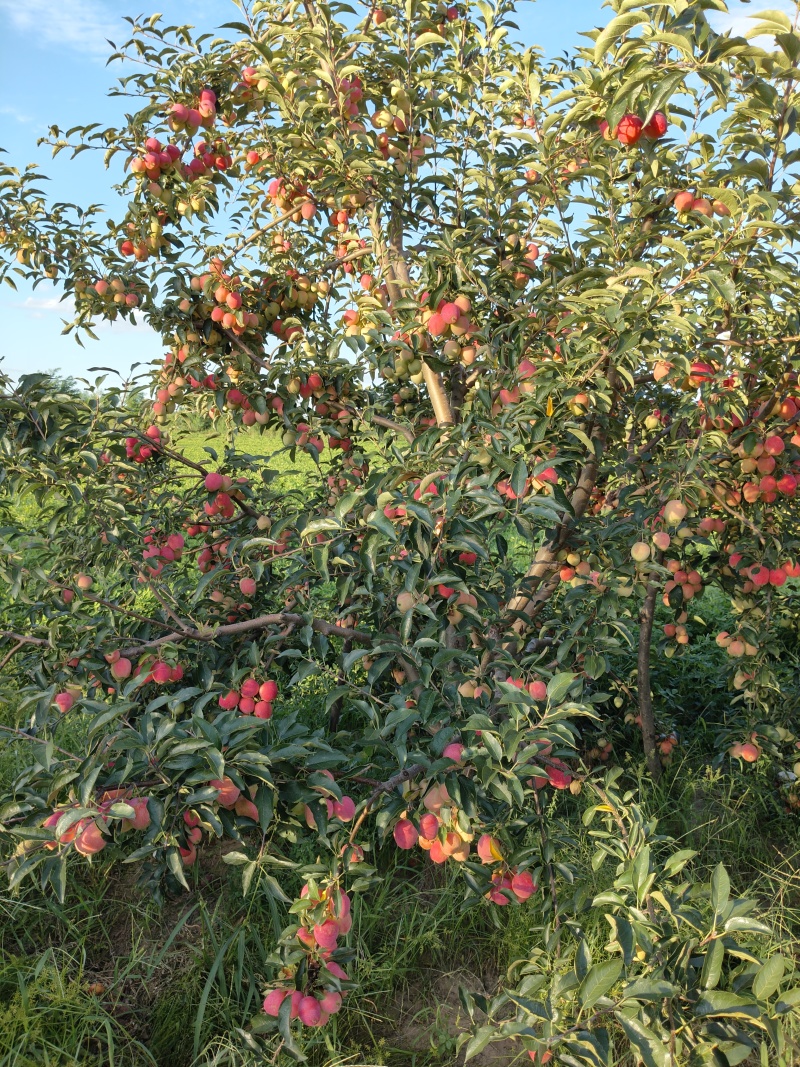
744	924
649	989
720	1002
651	1050
558	687
176	866
712	964
618	26
519	477
769	978
720	889
598	981
772	21
428	38
721	285
479	1042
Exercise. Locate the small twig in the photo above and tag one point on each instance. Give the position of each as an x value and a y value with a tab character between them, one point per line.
389	424
10	655
24	639
25	736
259	362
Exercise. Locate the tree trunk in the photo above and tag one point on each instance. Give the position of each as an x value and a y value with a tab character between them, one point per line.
648	724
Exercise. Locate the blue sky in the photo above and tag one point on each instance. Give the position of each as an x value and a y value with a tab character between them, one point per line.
52	71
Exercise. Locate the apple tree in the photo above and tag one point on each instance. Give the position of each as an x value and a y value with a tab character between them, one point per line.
533	324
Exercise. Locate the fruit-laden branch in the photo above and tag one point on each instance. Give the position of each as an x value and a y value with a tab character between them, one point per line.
254	236
397	277
525	606
260	623
385	787
251	355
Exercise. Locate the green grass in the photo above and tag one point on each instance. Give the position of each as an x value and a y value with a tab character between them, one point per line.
208	448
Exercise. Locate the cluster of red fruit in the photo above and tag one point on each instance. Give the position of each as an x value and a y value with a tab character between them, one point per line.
340	214
86	834
212	555
631	128
520	260
228	311
191	119
229	797
736	645
160	672
208	156
442	834
759	574
665	744
163	549
326	917
252	698
684	201
508	883
140	452
303	437
448	318
343	809
282	194
762	458
116	291
347	247
312	1009
749	751
352	93
535	688
155	160
138	247
168	395
690	582
543	481
225	495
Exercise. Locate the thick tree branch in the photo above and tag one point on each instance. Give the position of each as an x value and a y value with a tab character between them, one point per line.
648	726
260	623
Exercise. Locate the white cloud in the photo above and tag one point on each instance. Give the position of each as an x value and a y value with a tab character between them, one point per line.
739	19
13	112
81	24
39	306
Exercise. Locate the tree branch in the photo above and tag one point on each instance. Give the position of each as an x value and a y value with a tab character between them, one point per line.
259	623
385	787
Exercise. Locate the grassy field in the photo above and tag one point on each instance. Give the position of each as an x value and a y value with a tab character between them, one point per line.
111	978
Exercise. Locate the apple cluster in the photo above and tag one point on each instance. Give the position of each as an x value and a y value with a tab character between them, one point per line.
141	452
190	119
252	698
162	549
631	128
86	833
